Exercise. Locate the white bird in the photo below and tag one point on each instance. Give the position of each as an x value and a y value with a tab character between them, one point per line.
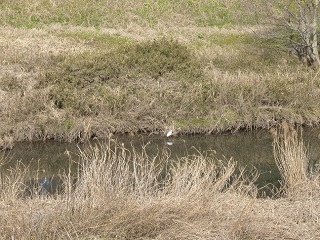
169	133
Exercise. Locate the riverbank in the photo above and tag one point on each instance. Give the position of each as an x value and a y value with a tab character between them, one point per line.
71	79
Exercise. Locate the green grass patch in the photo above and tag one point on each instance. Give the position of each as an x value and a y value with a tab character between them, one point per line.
231	39
85	81
149	59
243	51
220	13
102	41
37	14
215	14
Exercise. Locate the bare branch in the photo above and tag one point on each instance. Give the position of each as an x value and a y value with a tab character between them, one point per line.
298	20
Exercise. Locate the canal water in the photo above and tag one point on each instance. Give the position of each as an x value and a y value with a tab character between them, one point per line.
250	149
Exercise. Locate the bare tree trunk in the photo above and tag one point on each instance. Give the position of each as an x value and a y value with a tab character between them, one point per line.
315	49
308	24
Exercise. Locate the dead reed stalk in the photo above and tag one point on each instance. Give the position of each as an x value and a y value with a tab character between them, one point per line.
292	159
126	194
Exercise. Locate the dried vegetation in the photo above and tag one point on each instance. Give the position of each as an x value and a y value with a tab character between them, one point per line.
127	194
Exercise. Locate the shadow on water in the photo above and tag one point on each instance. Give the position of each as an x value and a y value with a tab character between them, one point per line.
250	149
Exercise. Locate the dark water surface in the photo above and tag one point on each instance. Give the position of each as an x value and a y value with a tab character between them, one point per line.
249	149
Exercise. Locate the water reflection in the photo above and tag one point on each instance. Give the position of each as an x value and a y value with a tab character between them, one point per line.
43	187
49	186
249	149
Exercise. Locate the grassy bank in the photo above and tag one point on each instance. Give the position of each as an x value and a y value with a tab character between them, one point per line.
71	71
123	194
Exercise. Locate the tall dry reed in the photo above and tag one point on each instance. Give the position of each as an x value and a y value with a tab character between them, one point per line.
122	194
127	194
292	159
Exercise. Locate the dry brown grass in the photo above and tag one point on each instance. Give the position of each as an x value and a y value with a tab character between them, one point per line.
122	194
283	219
291	158
300	178
238	88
